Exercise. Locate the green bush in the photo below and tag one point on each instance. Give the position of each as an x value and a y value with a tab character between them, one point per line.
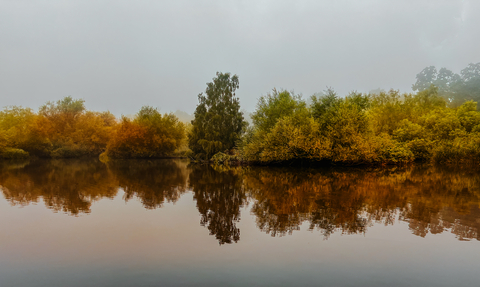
459	150
289	139
13	153
421	148
391	151
220	158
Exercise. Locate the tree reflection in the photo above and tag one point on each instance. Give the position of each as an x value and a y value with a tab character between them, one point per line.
64	185
219	195
152	181
350	200
444	199
72	185
430	199
285	199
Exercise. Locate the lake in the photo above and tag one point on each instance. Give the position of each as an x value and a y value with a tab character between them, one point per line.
171	223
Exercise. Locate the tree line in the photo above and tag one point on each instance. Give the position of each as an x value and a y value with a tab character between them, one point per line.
440	122
65	129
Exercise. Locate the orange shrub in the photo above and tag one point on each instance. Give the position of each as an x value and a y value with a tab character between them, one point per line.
148	135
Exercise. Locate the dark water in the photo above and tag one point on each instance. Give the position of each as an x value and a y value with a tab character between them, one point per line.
168	223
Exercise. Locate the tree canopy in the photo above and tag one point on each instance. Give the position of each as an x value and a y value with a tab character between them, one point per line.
272	107
383	128
148	135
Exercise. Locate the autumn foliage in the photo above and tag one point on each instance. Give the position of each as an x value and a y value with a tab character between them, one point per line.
383	128
148	135
66	129
439	123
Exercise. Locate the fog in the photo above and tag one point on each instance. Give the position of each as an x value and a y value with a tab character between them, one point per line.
121	55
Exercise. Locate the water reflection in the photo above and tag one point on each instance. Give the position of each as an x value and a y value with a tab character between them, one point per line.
350	200
329	201
219	195
72	185
153	182
64	185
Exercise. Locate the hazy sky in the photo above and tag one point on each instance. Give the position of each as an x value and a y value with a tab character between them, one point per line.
120	55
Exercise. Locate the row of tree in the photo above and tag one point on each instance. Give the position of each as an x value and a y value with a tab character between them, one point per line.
375	128
440	122
66	129
379	128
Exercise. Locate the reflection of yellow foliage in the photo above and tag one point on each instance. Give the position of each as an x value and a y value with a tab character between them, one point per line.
72	185
351	200
153	182
68	186
348	200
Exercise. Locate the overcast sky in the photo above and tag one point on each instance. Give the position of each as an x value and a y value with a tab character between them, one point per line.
121	55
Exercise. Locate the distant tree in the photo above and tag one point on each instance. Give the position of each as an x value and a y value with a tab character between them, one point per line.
454	88
218	121
183	116
425	78
471	82
472	71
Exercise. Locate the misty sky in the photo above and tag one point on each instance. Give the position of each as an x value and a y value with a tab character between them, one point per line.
120	55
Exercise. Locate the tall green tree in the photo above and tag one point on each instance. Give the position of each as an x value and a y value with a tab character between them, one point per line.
218	122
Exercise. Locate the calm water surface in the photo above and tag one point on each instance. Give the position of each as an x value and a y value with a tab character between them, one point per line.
168	223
